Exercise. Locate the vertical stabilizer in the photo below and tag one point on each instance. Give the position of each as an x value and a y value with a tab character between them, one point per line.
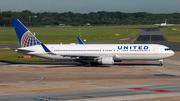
80	41
26	38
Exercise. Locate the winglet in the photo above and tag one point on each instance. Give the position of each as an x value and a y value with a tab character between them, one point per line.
80	41
46	49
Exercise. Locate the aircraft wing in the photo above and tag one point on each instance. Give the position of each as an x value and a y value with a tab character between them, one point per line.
79	55
166	24
69	55
157	24
170	24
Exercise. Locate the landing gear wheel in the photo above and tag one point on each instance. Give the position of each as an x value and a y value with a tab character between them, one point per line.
88	65
160	62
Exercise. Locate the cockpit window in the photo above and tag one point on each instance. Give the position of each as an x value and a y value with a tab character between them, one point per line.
166	49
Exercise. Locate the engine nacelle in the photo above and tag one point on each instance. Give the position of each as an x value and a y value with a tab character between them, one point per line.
106	60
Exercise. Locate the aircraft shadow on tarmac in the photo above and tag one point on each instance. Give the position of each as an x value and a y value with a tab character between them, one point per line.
76	64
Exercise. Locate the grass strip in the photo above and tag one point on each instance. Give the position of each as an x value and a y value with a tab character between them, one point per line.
172	37
12	56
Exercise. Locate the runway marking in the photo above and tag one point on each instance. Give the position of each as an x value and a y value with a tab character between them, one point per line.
134	40
5	48
36	99
41	78
131	97
50	98
150	90
138	88
92	93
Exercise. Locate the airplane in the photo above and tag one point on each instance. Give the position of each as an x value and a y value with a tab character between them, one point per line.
89	54
163	24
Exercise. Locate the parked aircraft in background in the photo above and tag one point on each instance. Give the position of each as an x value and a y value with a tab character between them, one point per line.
163	24
88	53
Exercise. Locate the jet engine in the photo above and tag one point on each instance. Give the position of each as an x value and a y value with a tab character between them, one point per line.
106	60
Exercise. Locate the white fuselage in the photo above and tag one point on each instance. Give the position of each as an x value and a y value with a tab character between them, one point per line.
117	51
163	24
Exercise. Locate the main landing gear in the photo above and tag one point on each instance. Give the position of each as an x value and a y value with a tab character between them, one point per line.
160	62
88	65
91	64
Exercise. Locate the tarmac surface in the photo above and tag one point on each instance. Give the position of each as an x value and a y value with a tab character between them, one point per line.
130	80
74	82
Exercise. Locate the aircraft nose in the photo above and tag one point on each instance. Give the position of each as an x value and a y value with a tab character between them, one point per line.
172	53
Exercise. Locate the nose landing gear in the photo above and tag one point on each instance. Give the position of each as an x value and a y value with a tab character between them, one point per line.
160	62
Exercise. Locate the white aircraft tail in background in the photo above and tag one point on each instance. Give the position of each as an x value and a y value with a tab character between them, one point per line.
88	53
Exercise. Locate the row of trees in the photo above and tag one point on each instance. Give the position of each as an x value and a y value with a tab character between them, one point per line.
99	18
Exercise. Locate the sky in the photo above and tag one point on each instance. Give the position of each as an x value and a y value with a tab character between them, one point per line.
87	6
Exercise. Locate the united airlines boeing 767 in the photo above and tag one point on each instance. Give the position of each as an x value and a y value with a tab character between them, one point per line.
88	53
